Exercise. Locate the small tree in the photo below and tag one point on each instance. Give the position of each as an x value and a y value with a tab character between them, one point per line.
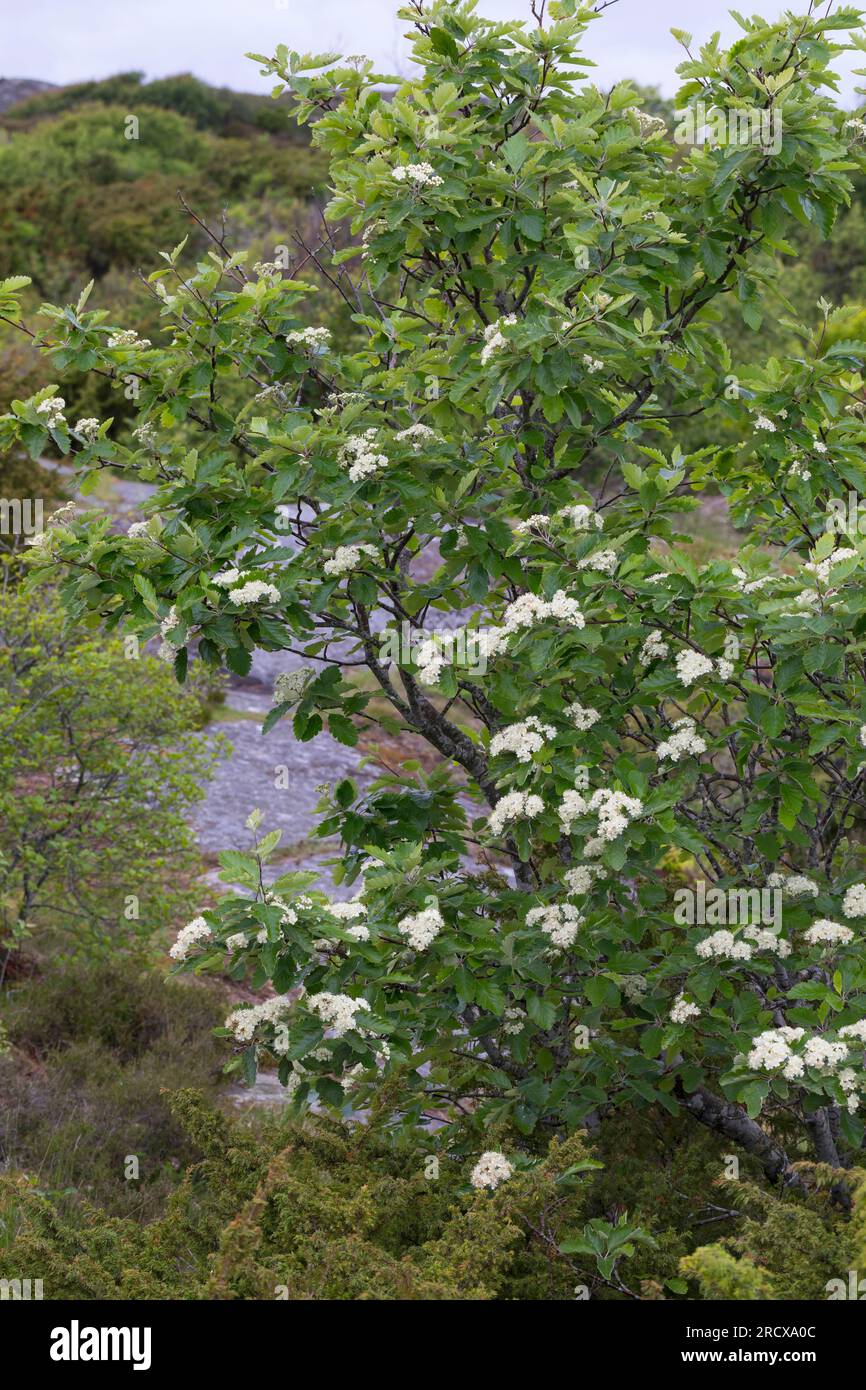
98	767
536	281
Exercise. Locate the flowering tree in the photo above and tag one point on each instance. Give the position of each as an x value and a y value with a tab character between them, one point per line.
533	272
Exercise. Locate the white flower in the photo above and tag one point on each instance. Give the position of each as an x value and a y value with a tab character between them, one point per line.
692	665
290	685
561	922
313	339
582	517
337	1011
244	1022
417	435
604	561
724	946
127	337
515	1019
146	435
825	1055
592	364
347	558
766	940
648	125
854	904
52	409
580	879
421	928
360	933
539	522
253	592
491	1169
522	739
683	742
494	338
359	455
682	1010
799	472
88	428
513	806
772	1048
421	175
344	912
794	885
196	930
828	933
762	423
139	531
653	649
582	718
529	609
854	1030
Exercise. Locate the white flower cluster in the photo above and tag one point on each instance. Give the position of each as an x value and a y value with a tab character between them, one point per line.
857	127
774	1049
582	717
723	945
420	175
762	423
417	435
592	364
799	472
561	922
244	1022
647	125
52	409
494	338
290	685
682	1010
750	586
421	928
683	742
127	337
539	522
312	339
765	940
139	531
854	1030
491	1169
515	1019
794	885
196	930
254	591
579	880
822	569
358	454
692	665
146	435
653	649
614	809
854	903
582	517
529	609
88	428
602	561
522	739
226	579
827	933
513	806
337	1011
267	269
347	558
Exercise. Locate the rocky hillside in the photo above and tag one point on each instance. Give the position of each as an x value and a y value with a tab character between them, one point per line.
15	89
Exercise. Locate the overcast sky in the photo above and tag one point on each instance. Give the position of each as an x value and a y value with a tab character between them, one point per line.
72	40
